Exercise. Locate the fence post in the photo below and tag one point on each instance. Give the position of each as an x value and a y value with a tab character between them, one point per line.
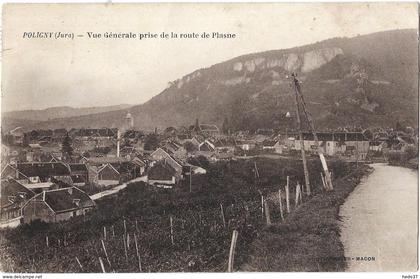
232	250
137	252
287	196
262	206
106	254
78	262
267	213
125	228
297	194
223	215
104	233
125	248
46	241
281	206
102	265
323	181
172	230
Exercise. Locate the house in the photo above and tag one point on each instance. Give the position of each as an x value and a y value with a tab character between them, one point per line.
224	146
272	146
79	174
162	155
101	161
162	174
352	145
209	130
57	205
128	152
376	146
11	171
140	165
13	195
246	145
206	146
127	170
108	175
43	172
175	149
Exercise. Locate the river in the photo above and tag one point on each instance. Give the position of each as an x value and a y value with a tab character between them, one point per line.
380	221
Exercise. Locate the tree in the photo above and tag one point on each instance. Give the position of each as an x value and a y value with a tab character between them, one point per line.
196	126
66	147
151	142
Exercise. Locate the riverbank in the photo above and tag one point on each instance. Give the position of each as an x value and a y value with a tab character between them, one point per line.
309	238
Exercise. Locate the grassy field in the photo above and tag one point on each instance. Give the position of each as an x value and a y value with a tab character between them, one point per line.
309	239
200	240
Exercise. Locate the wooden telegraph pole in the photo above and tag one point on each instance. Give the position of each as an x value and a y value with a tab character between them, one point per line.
302	147
299	99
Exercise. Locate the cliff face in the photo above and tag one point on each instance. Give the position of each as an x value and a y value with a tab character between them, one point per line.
368	80
292	62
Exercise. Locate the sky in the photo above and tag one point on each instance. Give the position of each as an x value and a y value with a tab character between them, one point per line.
82	72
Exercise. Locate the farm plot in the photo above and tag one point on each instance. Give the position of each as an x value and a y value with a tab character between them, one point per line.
144	229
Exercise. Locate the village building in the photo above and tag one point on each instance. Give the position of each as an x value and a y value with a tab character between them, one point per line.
13	196
208	130
79	174
352	145
246	145
128	152
140	166
272	146
38	172
162	174
57	205
10	171
108	175
162	155
225	145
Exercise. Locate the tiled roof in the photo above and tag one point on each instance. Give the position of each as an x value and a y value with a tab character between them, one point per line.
11	187
64	199
78	167
43	169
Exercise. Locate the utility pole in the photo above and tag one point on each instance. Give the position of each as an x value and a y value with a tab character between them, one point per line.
302	147
299	96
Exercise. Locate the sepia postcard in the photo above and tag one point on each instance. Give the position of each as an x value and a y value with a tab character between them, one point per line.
209	137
